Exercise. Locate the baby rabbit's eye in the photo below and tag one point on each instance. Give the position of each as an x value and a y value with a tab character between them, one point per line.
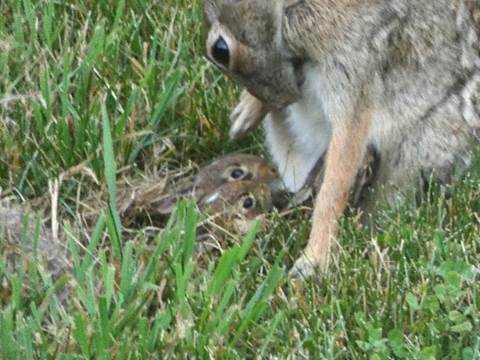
221	52
248	202
237	174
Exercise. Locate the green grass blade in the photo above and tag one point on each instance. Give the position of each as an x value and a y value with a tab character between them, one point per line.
110	169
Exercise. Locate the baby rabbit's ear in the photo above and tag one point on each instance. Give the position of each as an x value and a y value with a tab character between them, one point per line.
166	205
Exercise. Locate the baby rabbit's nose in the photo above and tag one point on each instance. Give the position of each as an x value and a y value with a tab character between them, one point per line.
276	185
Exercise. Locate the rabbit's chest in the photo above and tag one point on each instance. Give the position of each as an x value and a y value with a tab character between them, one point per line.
300	135
309	119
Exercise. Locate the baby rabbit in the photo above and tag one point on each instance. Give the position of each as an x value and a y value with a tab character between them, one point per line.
236	205
233	191
224	170
230	213
338	76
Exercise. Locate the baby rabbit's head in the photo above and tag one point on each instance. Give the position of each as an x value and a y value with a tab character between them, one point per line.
231	168
241	201
244	39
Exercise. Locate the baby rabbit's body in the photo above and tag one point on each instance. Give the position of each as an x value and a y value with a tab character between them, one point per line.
401	76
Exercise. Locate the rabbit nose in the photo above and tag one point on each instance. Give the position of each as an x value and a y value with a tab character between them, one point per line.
221	52
276	185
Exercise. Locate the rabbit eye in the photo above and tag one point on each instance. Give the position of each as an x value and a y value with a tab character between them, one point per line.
221	52
237	174
248	203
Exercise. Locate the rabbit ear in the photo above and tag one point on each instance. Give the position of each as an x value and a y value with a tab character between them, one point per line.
166	205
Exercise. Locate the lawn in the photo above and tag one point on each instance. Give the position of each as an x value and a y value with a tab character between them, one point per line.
93	91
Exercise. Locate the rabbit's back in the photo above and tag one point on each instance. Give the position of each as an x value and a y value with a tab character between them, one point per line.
428	123
416	61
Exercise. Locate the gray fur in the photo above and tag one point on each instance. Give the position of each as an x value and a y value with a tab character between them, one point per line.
417	60
341	75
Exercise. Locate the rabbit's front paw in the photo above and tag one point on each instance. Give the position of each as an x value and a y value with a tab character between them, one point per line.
304	268
310	264
246	116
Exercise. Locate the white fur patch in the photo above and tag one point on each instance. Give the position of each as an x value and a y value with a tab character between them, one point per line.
212	198
297	141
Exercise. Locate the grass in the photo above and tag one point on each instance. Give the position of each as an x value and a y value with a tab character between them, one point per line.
123	87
